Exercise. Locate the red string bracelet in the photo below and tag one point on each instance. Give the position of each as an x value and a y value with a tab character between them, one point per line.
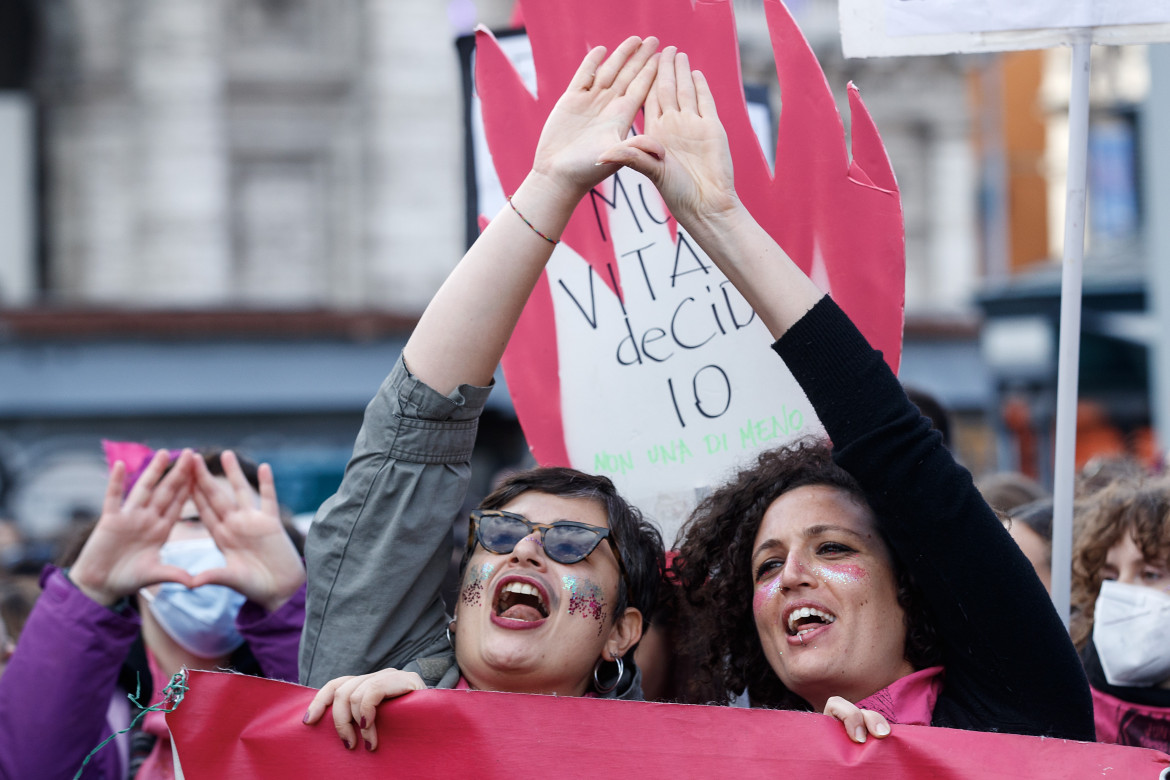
552	241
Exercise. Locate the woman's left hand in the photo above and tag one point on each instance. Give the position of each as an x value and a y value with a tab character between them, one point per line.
857	722
260	559
684	149
355	700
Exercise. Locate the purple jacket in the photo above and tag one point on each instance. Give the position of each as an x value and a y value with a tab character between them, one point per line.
58	687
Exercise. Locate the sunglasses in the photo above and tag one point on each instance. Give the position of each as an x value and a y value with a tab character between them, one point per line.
565	541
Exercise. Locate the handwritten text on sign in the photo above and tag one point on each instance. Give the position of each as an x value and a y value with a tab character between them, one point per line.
678	375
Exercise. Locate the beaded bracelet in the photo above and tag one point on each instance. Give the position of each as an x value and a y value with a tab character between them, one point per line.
552	241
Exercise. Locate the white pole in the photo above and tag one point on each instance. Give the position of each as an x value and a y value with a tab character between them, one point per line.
1070	325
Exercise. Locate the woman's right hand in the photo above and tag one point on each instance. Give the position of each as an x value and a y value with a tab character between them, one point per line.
594	113
121	556
355	701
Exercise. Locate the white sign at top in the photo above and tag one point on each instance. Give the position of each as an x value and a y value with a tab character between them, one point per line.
883	28
935	17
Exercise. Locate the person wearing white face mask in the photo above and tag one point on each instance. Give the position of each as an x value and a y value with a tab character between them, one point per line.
1121	586
193	560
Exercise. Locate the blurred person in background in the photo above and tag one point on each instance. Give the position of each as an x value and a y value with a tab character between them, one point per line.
1121	592
1031	526
1104	471
1007	490
190	566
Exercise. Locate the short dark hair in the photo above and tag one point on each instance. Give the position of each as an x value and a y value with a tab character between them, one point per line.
714	569
638	540
212	456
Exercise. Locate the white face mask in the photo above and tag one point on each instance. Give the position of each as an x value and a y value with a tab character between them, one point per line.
1131	630
203	620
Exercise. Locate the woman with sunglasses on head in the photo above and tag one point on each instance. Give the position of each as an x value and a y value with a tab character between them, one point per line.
556	586
825	572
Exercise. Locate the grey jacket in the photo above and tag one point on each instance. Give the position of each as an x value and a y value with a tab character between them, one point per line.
378	549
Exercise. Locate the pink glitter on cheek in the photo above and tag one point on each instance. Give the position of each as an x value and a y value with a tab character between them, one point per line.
473	584
586	599
844	573
764	594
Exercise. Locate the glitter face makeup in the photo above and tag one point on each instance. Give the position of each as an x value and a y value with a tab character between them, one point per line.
824	597
765	592
473	584
585	598
842	573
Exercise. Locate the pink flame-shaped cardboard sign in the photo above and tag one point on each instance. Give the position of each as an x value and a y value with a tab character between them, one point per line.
634	356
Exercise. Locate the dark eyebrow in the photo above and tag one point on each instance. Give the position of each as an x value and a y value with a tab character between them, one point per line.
767	546
811	532
818	530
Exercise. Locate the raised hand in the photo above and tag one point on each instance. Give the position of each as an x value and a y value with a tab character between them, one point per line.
684	149
594	113
122	554
260	560
355	701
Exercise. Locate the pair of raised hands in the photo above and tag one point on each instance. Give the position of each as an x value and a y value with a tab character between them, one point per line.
683	148
122	554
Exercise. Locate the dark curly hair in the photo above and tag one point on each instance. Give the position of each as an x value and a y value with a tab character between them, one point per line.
1140	509
714	569
638	540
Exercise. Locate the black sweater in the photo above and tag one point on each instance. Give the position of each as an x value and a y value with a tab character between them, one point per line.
1010	665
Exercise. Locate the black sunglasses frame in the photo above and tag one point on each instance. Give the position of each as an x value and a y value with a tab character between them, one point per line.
474	536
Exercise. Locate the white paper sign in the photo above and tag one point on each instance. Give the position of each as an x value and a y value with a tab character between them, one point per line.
885	28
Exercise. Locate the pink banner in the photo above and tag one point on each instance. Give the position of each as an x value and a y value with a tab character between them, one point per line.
236	726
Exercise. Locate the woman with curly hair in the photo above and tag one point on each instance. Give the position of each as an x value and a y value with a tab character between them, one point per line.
808	569
1121	587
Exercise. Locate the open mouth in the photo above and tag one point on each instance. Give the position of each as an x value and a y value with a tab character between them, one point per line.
802	621
518	600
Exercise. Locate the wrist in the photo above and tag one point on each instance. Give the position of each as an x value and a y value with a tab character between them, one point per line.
83	583
715	227
557	193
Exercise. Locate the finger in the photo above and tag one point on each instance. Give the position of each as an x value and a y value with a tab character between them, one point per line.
639	90
686	84
342	715
245	493
217	576
705	99
849	715
876	724
174	510
164	572
144	487
587	70
652	110
609	70
207	513
172	485
665	83
322	700
634	66
640	153
384	685
367	713
218	499
112	503
268	502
